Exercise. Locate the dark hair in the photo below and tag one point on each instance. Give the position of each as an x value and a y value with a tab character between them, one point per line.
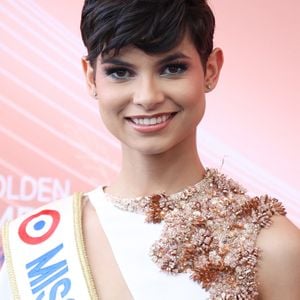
154	26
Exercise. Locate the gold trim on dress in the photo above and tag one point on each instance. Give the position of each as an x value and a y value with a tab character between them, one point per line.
8	258
77	207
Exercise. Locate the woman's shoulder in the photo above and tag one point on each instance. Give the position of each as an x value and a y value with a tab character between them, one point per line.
279	268
280	236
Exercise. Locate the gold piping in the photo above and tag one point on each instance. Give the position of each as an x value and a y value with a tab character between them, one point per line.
81	250
8	258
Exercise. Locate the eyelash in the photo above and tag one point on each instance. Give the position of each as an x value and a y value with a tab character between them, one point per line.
182	66
112	71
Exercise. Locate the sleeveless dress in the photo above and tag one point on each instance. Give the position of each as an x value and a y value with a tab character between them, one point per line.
196	244
130	239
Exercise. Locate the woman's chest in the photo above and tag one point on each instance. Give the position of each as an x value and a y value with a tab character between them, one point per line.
118	245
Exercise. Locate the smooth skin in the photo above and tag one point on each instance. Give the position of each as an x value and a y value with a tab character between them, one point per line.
135	84
152	161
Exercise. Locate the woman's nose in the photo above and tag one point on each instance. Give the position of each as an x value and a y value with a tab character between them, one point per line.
148	93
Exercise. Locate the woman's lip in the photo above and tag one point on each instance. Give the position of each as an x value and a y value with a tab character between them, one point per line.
151	128
151	116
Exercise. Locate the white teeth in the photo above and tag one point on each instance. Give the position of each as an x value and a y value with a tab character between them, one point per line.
151	121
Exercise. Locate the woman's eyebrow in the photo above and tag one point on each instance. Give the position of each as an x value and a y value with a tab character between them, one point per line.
172	57
116	61
167	59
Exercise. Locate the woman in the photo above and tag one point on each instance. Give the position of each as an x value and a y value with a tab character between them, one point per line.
166	228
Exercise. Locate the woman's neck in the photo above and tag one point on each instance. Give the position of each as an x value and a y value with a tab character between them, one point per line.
168	172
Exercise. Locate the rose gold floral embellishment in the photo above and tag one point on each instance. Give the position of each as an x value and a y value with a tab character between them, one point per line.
209	231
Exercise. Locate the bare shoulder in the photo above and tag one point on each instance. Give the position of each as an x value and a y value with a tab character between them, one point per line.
279	267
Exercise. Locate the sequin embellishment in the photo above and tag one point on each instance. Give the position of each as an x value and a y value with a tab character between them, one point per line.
209	232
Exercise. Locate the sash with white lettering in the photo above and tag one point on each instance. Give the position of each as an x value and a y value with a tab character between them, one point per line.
45	253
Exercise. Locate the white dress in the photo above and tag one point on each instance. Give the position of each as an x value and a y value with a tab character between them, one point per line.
130	239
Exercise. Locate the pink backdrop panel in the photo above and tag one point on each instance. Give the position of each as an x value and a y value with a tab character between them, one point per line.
52	141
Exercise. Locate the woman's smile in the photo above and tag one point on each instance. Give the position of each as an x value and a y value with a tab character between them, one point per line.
151	123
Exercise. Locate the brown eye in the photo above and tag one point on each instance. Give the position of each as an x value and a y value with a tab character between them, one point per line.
121	73
174	69
118	73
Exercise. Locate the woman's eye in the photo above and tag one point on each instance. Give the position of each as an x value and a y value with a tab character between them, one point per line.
174	69
118	73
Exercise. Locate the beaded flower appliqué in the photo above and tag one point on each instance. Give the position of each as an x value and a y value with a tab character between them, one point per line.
210	232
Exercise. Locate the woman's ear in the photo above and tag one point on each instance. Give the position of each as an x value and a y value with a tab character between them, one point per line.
89	76
213	68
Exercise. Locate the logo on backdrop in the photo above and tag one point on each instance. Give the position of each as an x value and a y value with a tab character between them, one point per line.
28	191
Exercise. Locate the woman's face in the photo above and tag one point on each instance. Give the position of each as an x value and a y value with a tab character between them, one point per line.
152	103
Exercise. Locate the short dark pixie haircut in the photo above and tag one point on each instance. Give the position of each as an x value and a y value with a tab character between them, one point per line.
154	26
